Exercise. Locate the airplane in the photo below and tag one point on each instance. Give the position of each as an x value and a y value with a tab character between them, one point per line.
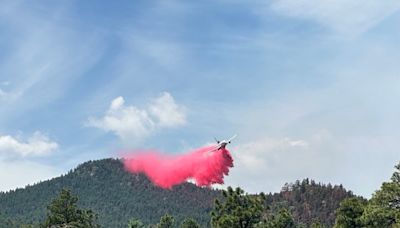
222	144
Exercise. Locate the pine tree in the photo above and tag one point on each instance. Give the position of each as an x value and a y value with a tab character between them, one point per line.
396	175
237	210
189	223
63	212
135	223
283	219
383	210
167	221
349	213
317	224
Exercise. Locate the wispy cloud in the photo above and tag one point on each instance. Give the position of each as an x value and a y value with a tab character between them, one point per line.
36	145
44	58
347	17
266	163
133	124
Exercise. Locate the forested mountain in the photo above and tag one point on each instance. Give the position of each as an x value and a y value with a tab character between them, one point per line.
117	196
308	201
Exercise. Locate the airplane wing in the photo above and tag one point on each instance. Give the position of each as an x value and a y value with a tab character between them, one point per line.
233	137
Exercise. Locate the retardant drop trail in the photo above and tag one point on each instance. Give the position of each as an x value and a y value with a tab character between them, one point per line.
204	166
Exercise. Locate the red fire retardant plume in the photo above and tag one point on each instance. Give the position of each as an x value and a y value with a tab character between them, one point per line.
201	165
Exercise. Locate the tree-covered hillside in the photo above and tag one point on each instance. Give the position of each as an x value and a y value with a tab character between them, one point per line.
309	202
118	196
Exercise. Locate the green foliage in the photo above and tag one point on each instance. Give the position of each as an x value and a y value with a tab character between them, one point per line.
135	223
117	196
63	211
317	224
167	221
237	210
6	222
308	201
28	226
383	208
396	175
349	213
302	225
283	219
114	194
189	223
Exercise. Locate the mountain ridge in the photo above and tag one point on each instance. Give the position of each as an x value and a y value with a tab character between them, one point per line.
117	196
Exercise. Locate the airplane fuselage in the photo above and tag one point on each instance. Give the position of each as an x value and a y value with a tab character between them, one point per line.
222	145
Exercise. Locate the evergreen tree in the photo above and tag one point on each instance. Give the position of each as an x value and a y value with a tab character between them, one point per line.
283	219
167	221
383	210
135	223
316	224
6	223
63	212
396	175
189	223
349	213
237	210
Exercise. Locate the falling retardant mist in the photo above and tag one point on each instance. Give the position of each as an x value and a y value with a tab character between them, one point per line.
205	166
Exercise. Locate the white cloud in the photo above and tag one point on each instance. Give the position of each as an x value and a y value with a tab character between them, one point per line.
167	112
133	124
37	145
348	17
128	122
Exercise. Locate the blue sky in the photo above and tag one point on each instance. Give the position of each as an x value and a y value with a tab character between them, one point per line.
311	87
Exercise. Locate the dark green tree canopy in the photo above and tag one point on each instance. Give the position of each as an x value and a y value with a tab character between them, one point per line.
167	221
238	210
349	213
283	219
135	223
63	212
317	224
189	223
382	210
